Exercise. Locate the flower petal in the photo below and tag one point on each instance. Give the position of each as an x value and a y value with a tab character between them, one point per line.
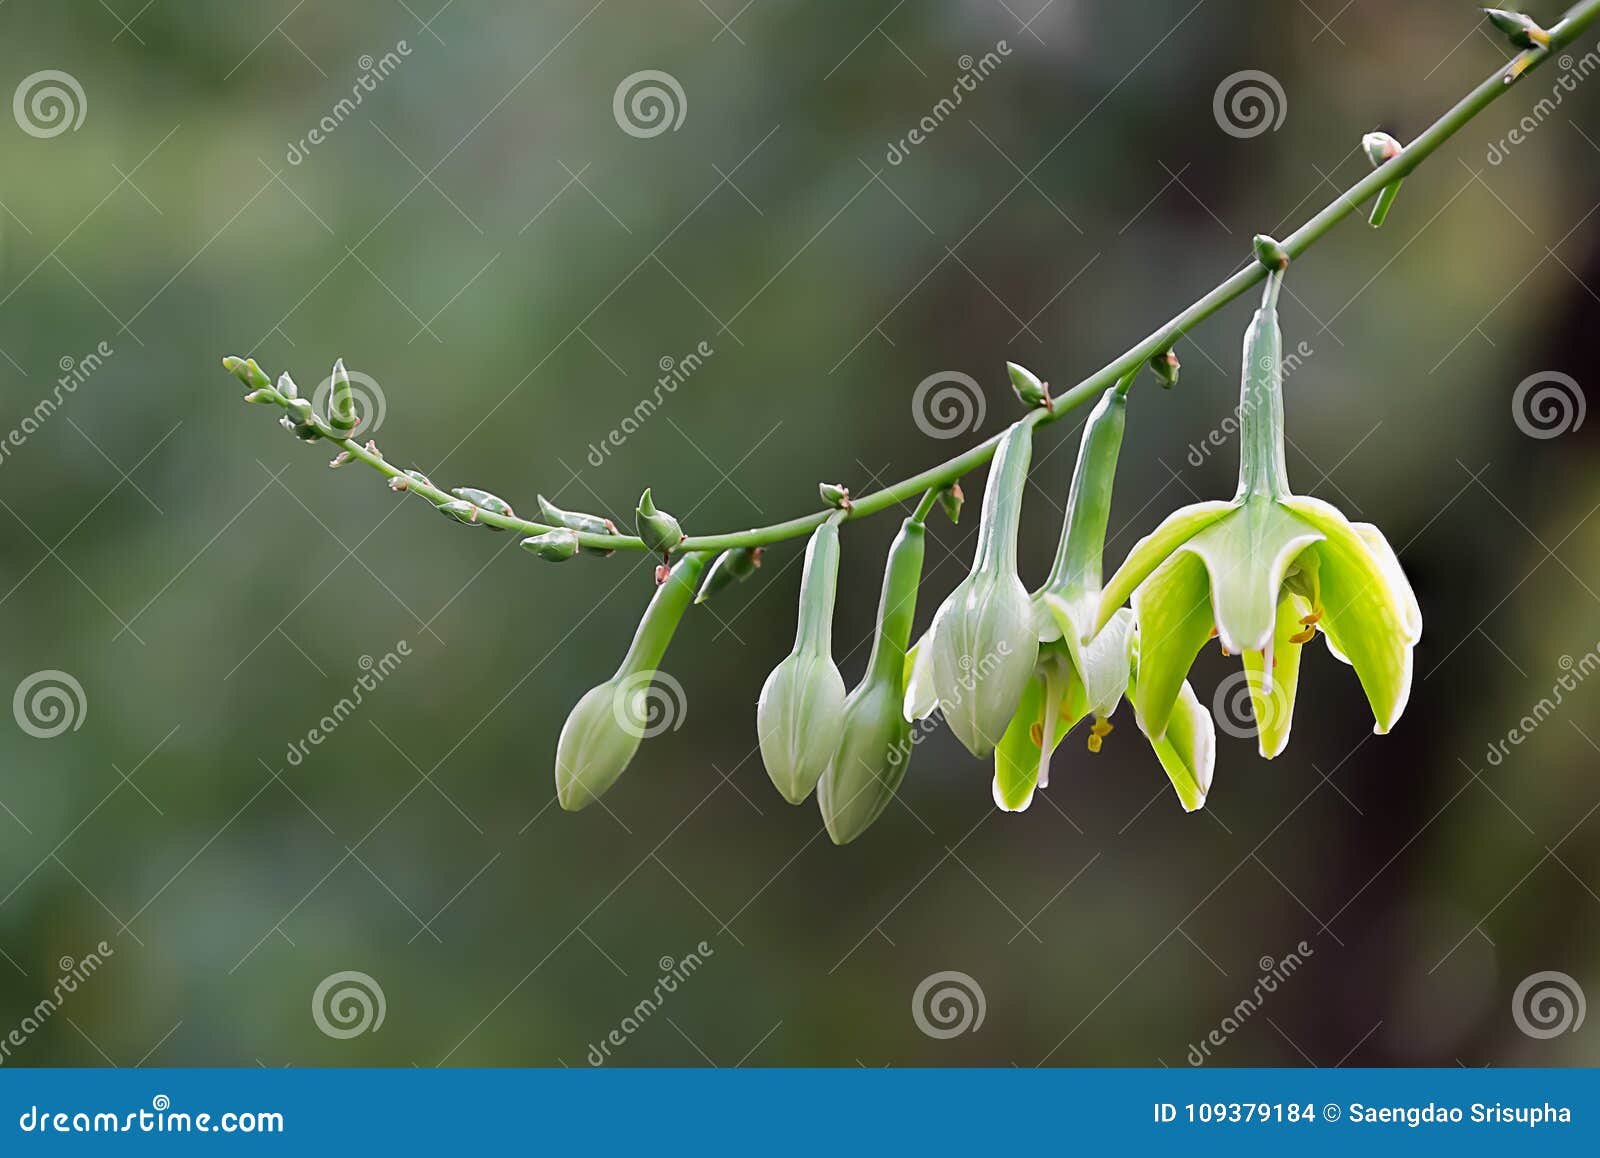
1273	684
1152	550
921	699
1366	619
1399	585
1016	757
1188	752
1246	555
1173	608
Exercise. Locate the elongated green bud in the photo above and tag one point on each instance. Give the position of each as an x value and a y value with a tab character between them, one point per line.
950	500
246	370
1262	467
553	546
286	386
876	740
1270	252
461	511
1077	572
1027	386
1522	30
578	521
659	530
603	731
836	495
979	652
1166	366
734	565
799	713
483	500
341	405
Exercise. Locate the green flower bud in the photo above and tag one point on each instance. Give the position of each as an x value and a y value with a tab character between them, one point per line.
1270	252
341	406
265	397
836	495
876	740
1027	386
1381	147
246	370
734	565
462	511
950	500
1522	30
577	521
659	530
798	715
553	546
494	504
603	731
980	650
286	386
300	411
1166	365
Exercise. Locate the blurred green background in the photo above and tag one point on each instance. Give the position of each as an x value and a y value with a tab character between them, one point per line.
510	267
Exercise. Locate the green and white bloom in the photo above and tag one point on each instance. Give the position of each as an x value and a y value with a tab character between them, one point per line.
979	653
1265	572
1084	668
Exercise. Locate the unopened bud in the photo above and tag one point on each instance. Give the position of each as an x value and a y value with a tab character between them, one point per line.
267	397
339	459
1381	147
341	406
663	573
836	495
659	530
577	521
1270	252
1027	386
950	500
246	370
494	504
1522	30
1166	366
734	565
553	546
461	511
286	386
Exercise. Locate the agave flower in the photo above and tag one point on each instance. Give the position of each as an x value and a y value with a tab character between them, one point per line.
979	653
1265	571
1084	668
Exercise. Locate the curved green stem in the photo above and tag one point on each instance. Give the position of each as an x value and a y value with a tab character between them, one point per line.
1118	371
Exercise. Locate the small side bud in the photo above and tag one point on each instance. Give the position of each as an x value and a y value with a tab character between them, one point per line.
577	521
494	504
1522	30
341	406
1270	252
417	476
663	573
1381	147
267	397
1166	366
461	511
286	386
659	530
553	546
246	370
339	459
734	565
836	495
950	500
1028	388
399	483
300	411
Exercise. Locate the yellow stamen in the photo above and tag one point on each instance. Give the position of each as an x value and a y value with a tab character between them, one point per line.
1313	618
1305	636
1036	734
1094	742
1101	727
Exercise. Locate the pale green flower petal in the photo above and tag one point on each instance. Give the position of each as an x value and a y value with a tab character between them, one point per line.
1273	676
1399	585
1188	752
1016	757
1364	617
1152	550
1246	554
1173	608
